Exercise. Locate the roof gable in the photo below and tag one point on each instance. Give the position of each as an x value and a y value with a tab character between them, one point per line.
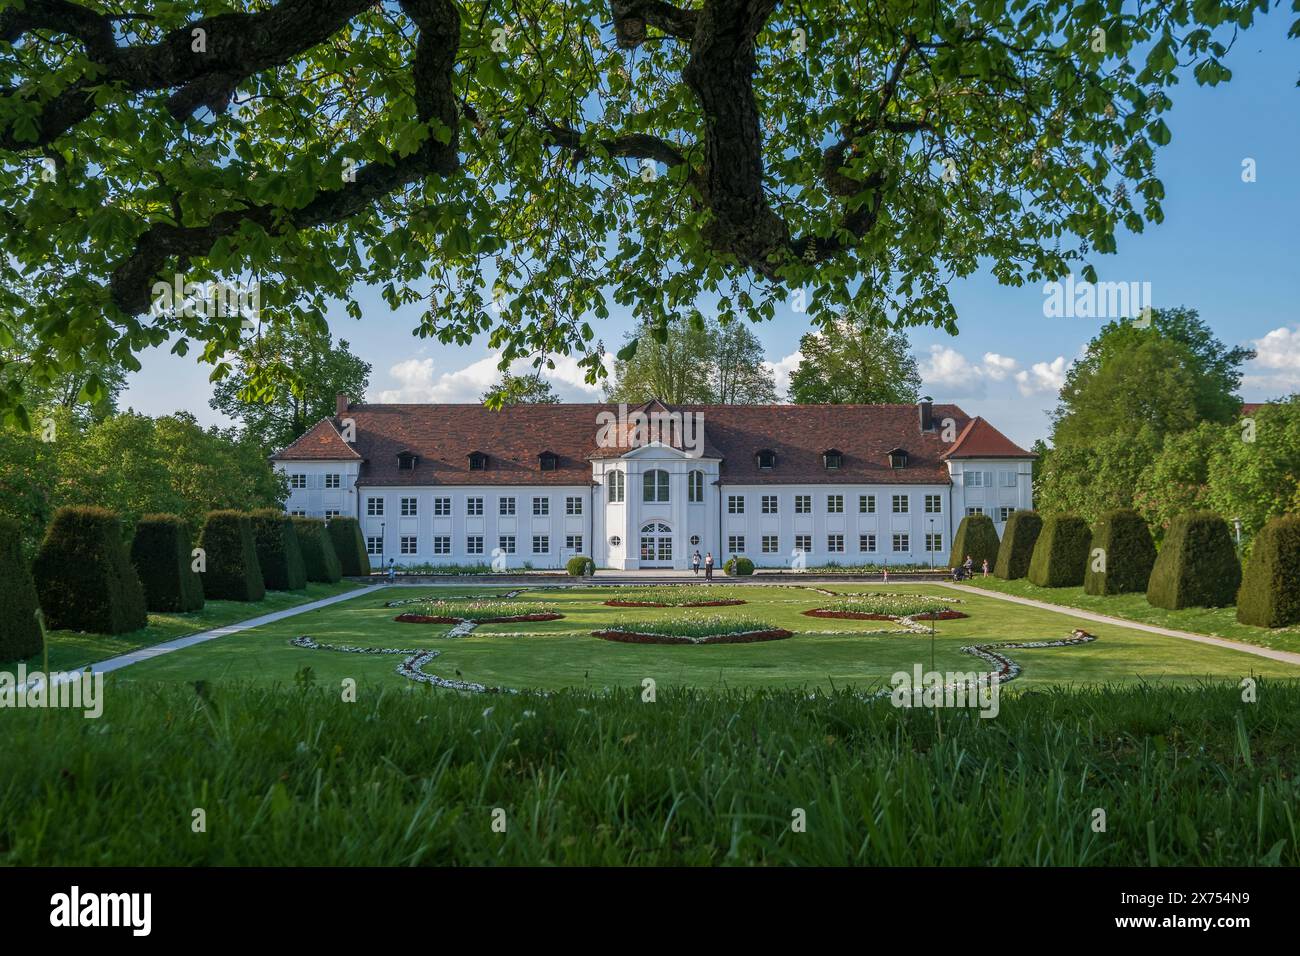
979	439
322	442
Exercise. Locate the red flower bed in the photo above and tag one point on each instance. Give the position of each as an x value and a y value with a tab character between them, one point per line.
657	604
751	637
518	619
854	616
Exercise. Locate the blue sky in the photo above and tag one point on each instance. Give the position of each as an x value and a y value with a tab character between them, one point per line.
1230	249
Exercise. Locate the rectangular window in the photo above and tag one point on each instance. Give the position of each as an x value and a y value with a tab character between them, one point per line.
902	543
442	544
541	507
974	479
409	544
375	545
835	504
803	504
1004	513
866	504
442	507
333	481
332	513
474	507
375	507
934	504
835	543
572	505
735	504
541	544
654	486
297	481
934	542
408	508
506	543
974	510
573	542
474	544
695	487
867	543
1008	479
506	507
803	542
770	544
902	504
736	544
297	514
770	504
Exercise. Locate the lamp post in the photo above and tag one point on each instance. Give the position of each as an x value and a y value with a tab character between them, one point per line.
1236	527
931	542
383	540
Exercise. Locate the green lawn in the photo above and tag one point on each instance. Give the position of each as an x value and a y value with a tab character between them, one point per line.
1214	621
561	654
1185	776
73	649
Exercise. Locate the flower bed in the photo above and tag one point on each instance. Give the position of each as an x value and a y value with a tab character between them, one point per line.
682	595
478	611
694	629
947	615
889	607
513	619
645	637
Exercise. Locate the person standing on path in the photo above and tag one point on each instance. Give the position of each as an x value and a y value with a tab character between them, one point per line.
986	567
708	566
969	567
695	562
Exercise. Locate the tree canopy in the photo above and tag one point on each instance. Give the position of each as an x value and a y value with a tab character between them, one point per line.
518	165
521	390
854	360
693	361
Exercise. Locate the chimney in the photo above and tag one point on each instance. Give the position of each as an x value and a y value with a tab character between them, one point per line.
926	409
341	404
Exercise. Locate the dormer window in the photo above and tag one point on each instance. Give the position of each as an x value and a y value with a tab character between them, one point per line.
406	460
898	458
478	461
832	458
766	459
548	461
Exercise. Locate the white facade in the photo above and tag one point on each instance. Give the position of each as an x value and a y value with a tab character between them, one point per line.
660	521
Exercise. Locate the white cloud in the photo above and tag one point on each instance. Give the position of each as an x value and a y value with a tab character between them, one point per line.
1276	368
782	369
959	377
1042	377
419	381
998	367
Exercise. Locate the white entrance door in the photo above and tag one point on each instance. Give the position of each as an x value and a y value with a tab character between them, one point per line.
656	545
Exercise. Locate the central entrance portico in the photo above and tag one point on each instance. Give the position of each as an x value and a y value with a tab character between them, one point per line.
656	545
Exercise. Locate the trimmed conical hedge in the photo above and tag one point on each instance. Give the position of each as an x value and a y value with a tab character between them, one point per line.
1061	553
84	578
161	554
20	635
318	556
1197	565
1017	549
232	572
978	537
1270	586
349	545
278	551
1127	554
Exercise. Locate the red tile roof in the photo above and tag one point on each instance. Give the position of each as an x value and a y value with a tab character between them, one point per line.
444	436
979	439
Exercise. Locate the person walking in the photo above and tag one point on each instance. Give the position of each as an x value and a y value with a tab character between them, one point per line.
695	562
708	566
986	567
969	568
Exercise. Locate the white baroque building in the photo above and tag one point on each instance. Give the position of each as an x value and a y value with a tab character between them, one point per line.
647	487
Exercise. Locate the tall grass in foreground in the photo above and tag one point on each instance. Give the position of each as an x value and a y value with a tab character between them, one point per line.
295	776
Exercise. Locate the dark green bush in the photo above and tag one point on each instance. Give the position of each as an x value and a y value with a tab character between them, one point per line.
577	565
20	634
977	536
162	557
1197	565
278	551
1017	549
738	565
232	571
1126	557
84	578
349	545
318	556
1270	586
1061	553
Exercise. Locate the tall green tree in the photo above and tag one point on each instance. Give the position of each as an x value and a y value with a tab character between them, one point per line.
854	360
693	361
521	390
660	155
286	379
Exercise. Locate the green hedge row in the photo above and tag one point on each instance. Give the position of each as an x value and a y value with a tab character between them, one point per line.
318	556
977	537
84	578
1017	549
278	552
349	545
1061	553
1270	586
161	554
1122	554
1197	565
20	633
232	571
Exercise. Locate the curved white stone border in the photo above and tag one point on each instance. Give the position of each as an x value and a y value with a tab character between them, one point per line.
411	667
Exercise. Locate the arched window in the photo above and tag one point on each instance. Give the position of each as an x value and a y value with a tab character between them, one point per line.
695	486
655	486
616	486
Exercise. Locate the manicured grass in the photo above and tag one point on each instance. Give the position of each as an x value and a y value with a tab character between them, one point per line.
286	776
562	654
73	649
1216	622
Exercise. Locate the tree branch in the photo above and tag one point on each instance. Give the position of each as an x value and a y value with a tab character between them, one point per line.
631	17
